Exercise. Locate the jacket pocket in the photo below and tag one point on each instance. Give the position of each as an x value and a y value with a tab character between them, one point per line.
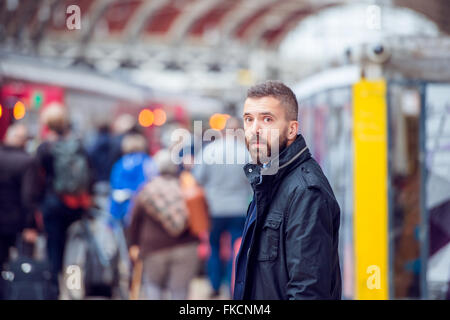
270	239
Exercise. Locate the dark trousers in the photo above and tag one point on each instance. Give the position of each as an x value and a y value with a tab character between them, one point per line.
218	270
57	219
6	241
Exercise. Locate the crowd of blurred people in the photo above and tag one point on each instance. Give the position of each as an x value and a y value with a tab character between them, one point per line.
116	221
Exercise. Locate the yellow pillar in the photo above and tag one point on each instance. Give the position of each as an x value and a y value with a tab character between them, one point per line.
370	189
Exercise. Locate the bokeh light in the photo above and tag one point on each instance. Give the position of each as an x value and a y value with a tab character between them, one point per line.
146	118
160	117
19	110
218	121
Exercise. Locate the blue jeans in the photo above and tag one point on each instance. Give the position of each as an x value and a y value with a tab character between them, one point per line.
218	270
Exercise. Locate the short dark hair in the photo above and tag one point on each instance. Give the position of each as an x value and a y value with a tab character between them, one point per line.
279	91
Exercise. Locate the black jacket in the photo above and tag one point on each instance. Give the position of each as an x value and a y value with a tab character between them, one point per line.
18	194
294	250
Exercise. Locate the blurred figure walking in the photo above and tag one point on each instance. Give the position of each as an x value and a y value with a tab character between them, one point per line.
159	234
228	194
128	174
124	124
66	179
17	192
102	154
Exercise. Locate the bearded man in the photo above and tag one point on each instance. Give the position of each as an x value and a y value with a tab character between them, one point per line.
289	247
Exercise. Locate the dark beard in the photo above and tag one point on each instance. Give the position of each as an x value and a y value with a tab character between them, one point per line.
282	146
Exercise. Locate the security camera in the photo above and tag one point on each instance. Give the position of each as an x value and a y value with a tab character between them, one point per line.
378	52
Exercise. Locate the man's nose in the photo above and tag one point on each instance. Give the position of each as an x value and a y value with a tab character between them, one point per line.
255	128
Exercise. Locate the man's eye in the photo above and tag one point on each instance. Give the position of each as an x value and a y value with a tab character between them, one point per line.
248	119
267	119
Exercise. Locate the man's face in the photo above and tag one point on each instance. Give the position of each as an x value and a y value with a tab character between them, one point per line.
265	125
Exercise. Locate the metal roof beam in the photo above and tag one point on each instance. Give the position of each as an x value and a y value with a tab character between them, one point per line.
140	19
183	24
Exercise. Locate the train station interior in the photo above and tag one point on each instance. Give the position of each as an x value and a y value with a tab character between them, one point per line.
372	81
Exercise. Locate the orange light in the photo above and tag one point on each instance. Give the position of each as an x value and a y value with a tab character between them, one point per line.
160	117
146	118
218	121
1	110
19	110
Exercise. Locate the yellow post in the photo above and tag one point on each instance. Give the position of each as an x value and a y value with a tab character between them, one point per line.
370	189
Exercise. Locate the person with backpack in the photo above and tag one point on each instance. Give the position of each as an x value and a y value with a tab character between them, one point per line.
65	177
160	236
128	174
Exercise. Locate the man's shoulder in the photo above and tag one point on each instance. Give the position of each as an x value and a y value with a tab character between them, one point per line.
308	177
305	185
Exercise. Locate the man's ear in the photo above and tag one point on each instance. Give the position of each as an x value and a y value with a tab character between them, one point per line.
292	130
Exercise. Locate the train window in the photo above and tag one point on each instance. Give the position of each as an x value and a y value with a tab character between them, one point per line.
405	177
437	141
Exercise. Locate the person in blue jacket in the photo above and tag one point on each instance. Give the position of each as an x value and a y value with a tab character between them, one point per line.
128	174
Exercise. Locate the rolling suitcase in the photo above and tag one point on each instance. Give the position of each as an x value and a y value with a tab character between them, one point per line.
26	278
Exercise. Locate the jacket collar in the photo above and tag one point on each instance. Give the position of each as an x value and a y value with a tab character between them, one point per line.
296	153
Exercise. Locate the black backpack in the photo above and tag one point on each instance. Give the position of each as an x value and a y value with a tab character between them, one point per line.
70	166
